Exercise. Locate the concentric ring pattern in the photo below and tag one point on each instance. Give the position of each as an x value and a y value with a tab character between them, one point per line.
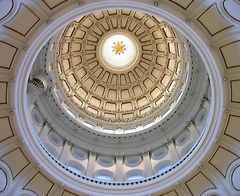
50	146
75	81
128	96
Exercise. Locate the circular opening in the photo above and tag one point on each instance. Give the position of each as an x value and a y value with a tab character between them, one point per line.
118	51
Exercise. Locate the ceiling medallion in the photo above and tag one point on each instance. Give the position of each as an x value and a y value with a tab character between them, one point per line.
118	51
118	47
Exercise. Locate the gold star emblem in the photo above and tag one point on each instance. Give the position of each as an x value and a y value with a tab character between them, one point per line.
118	47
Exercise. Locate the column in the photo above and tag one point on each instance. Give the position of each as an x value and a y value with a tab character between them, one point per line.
44	132
66	149
119	168
91	164
173	151
194	133
147	163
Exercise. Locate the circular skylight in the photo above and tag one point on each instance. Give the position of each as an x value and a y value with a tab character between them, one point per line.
118	51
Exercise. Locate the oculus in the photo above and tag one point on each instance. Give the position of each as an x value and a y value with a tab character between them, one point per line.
118	51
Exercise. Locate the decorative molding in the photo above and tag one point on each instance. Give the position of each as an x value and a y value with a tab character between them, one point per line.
9	135
228	120
202	23
170	193
227	13
26	165
4	96
182	6
54	5
228	165
236	90
12	57
198	173
10	10
230	173
223	56
8	177
15	19
4	180
67	193
232	180
43	188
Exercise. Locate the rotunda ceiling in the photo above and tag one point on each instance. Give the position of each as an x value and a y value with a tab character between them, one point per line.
120	67
121	88
52	145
